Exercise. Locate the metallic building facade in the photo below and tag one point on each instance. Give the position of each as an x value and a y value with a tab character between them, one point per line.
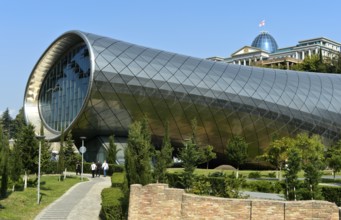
97	86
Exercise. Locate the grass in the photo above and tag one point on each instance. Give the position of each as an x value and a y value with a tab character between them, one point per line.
23	204
263	173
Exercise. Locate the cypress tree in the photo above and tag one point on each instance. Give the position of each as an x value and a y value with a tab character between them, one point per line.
45	153
190	157
291	174
138	154
61	155
71	157
163	157
26	146
7	123
112	151
4	163
16	165
18	123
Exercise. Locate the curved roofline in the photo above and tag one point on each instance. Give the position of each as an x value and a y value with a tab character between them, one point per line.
38	73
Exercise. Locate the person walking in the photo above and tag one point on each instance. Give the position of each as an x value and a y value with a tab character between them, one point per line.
78	168
93	169
105	167
98	169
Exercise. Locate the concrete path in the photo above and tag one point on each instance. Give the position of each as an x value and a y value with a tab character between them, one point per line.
82	201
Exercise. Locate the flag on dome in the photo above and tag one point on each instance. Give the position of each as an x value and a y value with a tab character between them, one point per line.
262	23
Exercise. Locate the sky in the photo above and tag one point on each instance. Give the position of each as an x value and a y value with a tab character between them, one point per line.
196	28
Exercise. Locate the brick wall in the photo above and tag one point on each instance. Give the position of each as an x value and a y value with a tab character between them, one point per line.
157	201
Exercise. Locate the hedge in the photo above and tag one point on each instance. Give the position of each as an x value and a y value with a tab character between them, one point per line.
111	204
332	194
114	200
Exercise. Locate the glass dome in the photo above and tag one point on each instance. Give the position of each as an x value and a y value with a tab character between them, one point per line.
265	42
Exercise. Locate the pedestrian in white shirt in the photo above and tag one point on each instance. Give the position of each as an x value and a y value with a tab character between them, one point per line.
93	169
105	167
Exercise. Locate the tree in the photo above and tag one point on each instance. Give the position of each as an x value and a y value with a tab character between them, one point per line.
333	158
70	156
61	155
27	147
18	123
208	154
236	151
7	123
194	126
293	166
138	154
335	162
4	150
45	152
190	157
277	153
312	163
16	165
112	151
313	63
163	157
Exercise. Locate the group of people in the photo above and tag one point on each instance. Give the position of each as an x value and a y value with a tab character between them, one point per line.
95	168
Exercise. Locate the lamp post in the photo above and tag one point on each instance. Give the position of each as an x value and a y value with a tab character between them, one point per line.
40	138
82	149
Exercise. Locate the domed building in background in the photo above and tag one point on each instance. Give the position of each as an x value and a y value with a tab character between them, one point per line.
264	51
265	42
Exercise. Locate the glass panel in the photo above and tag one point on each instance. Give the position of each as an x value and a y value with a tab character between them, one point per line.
65	87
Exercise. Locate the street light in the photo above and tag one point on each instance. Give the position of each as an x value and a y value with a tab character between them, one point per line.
40	138
82	149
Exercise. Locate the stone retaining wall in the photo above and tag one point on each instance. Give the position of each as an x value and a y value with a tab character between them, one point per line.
157	201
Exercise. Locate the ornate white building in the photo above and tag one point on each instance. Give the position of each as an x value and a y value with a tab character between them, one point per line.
264	51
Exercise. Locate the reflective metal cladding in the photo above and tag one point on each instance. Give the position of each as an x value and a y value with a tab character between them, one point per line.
96	86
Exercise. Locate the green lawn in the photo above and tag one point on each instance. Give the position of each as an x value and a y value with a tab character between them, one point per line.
23	204
263	173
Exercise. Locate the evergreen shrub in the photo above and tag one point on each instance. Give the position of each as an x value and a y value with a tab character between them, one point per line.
332	194
254	175
175	180
111	204
265	186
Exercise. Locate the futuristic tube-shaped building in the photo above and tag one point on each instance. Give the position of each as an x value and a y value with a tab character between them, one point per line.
96	86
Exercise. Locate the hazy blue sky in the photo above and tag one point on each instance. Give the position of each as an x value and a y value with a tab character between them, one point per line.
196	28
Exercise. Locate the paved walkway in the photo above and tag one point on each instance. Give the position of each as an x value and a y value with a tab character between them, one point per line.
82	201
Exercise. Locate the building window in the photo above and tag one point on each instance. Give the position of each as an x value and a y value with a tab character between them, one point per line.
64	88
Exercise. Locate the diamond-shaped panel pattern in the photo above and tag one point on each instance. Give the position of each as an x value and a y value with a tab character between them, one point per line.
225	99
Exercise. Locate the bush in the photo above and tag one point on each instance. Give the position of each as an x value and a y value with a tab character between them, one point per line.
217	186
201	186
265	186
332	194
112	207
114	168
216	174
115	200
254	175
175	180
50	167
272	175
117	180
